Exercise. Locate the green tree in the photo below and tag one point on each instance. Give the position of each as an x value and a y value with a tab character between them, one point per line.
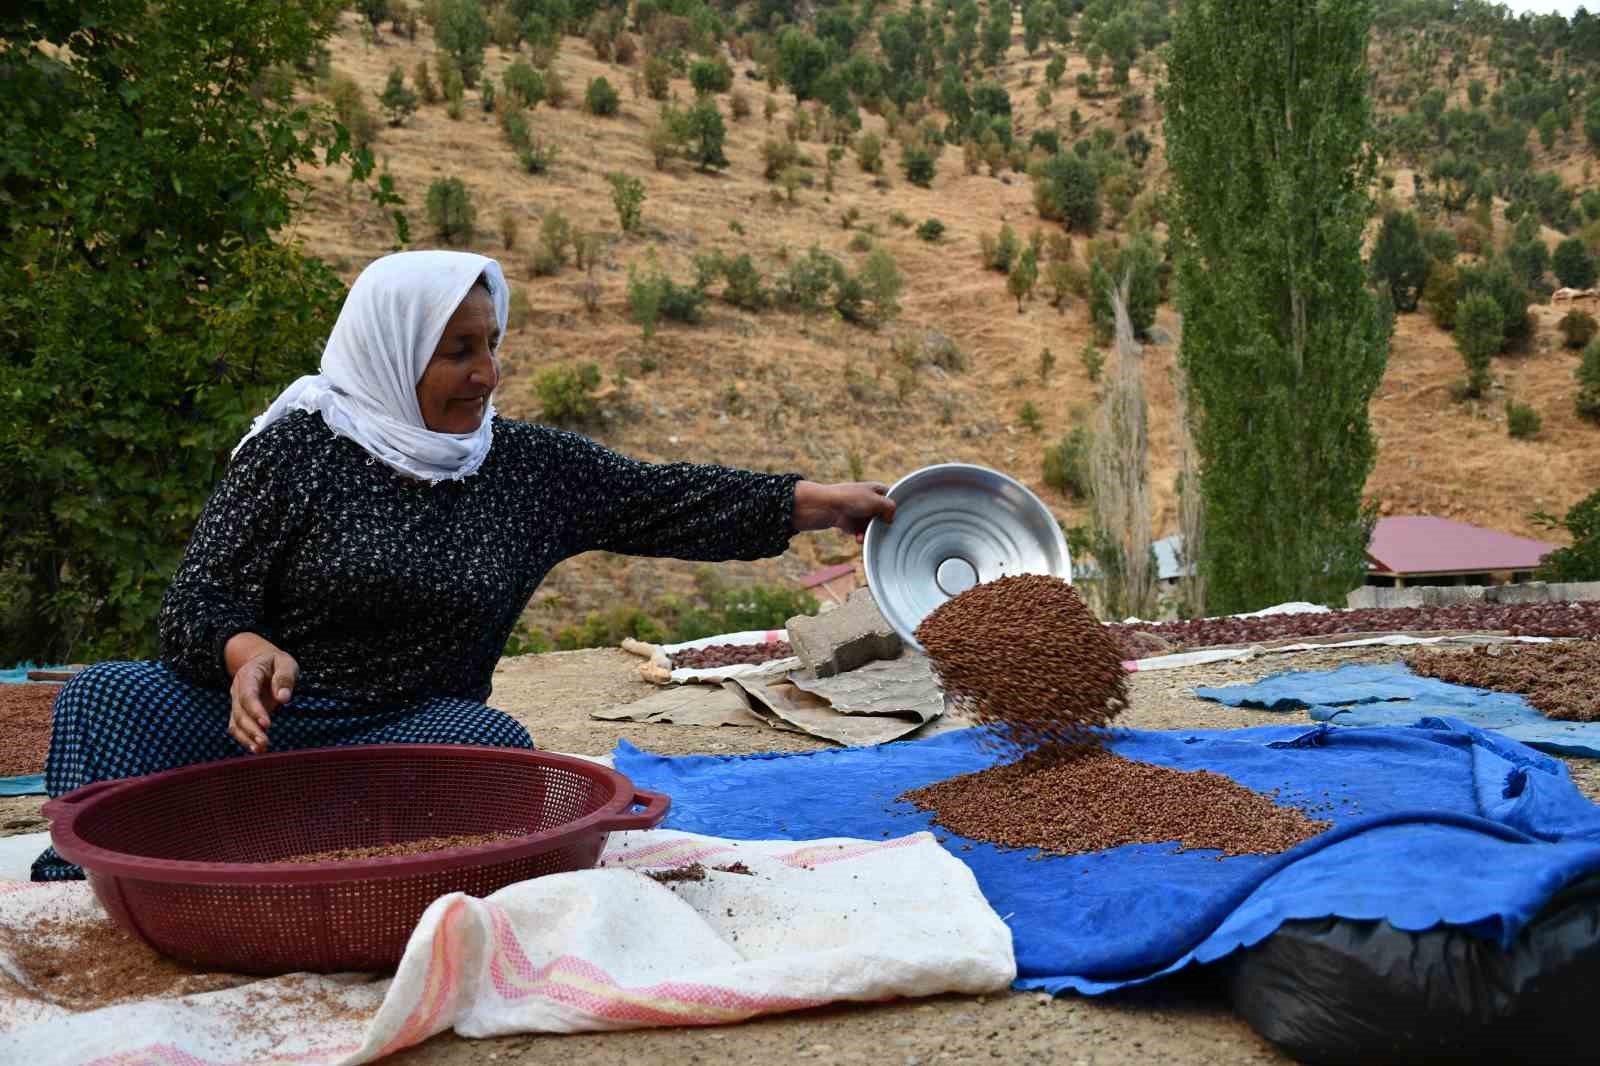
523	84
709	76
146	181
1591	121
920	165
399	101
1140	263
701	129
462	31
1399	260
1021	280
451	211
600	98
627	194
881	281
374	11
802	60
1588	375
1480	331
1066	190
1573	264
1581	561
1283	343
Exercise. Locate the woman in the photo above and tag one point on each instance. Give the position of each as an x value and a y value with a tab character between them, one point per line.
357	571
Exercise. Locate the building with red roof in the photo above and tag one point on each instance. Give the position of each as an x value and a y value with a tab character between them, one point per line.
1423	550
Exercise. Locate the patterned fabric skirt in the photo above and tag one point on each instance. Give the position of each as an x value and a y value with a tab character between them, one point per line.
124	719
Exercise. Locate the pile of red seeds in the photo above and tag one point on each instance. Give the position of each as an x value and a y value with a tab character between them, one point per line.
1091	800
718	655
1561	681
420	846
25	714
88	963
1024	655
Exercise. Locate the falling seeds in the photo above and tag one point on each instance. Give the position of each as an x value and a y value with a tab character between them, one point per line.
1024	655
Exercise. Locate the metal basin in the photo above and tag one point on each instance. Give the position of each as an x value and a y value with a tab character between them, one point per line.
955	526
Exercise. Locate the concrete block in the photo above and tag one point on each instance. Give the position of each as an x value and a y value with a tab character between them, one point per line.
1528	592
1362	598
1574	591
849	636
1450	595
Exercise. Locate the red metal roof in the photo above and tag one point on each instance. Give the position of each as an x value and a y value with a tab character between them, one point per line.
1424	545
827	573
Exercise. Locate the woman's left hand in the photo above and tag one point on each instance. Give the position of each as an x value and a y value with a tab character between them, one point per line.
847	506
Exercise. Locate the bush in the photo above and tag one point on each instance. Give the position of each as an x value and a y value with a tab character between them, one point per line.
461	30
1573	264
555	90
510	227
524	86
1093	360
538	155
426	89
1029	416
566	394
1439	296
931	230
450	210
652	295
869	152
399	101
1441	245
777	156
1588	375
1522	421
1399	260
701	130
1480	331
1066	190
627	195
806	285
350	108
919	165
625	49
744	288
739	105
657	77
600	98
880	279
1578	328
1066	465
708	76
1502	286
1000	251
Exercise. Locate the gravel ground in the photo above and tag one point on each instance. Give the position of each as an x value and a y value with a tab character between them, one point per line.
1181	1022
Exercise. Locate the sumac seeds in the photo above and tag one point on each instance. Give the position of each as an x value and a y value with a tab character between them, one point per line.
1024	655
1093	799
714	656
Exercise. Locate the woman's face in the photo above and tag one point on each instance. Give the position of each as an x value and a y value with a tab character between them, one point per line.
465	368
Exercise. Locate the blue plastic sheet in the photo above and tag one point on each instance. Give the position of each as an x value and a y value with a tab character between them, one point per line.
1440	823
1390	695
18	675
31	785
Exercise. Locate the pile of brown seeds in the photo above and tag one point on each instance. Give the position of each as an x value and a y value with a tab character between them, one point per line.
87	963
420	846
716	655
1023	654
25	714
1092	799
692	872
1561	681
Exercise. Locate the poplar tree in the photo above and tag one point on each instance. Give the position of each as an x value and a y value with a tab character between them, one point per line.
1268	132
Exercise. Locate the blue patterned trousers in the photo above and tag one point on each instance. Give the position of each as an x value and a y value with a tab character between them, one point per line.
124	719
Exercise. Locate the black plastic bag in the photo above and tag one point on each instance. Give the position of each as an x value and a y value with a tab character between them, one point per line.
1333	991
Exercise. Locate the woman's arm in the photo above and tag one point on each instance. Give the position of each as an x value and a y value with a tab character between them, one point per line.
696	511
220	587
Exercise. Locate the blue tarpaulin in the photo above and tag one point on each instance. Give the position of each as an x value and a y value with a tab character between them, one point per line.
1391	694
1439	823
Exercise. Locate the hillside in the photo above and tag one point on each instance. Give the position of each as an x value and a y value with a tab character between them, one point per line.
814	394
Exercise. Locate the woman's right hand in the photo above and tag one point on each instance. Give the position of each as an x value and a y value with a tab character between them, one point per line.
262	682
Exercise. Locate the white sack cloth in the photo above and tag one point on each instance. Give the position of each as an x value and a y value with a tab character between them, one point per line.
386	333
815	922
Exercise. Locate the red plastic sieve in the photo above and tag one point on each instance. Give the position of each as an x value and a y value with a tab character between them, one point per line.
186	859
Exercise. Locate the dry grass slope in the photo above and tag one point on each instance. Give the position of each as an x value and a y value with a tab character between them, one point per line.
813	394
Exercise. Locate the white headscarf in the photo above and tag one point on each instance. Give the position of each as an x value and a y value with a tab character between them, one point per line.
386	333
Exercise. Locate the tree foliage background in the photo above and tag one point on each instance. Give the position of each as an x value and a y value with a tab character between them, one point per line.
1268	128
147	159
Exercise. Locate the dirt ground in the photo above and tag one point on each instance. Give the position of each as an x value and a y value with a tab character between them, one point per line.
1182	1021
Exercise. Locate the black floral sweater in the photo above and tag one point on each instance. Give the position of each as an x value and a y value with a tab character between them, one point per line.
388	590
